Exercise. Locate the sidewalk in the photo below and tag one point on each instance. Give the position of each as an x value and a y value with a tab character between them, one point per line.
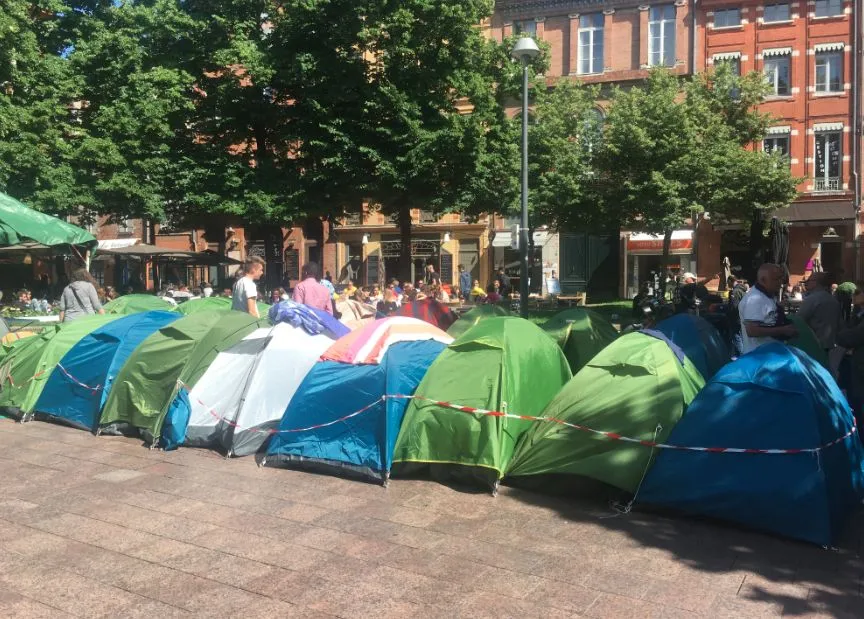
103	527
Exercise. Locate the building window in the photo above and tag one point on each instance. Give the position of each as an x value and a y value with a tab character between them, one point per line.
591	43
726	18
828	161
777	71
661	36
829	8
829	72
124	226
527	27
776	144
776	12
97	270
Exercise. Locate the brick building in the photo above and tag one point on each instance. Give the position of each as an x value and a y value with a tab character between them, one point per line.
806	50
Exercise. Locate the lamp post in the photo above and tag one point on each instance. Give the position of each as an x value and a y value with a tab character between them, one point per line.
524	51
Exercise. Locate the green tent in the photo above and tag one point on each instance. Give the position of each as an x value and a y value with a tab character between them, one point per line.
581	334
134	303
474	316
23	227
806	341
634	385
180	351
26	372
219	304
503	364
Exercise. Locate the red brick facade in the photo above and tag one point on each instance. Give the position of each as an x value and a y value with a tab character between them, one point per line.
814	116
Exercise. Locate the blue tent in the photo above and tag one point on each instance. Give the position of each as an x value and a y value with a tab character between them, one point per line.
699	340
775	397
362	445
77	394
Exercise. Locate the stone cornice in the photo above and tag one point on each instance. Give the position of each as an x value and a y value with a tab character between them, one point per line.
546	7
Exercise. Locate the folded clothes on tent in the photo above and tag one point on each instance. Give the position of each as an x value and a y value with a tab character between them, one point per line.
311	320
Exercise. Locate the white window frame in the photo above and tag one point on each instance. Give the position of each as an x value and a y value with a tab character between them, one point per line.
788	17
826	86
774	83
725	11
525	27
666	57
592	30
786	137
827	182
833	8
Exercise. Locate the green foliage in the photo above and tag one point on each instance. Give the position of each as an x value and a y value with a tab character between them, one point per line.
667	151
36	88
565	135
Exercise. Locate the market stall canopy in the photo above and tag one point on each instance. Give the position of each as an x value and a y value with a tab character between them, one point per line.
25	230
142	250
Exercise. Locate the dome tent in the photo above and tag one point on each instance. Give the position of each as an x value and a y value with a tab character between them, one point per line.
249	385
176	354
636	384
699	340
29	371
581	334
76	395
193	306
387	357
503	364
474	316
134	303
773	398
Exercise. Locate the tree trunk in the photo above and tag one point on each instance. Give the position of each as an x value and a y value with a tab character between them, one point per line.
404	216
667	244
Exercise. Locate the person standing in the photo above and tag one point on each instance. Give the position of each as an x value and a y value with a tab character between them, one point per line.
852	338
79	298
821	311
432	278
312	293
464	283
762	319
503	282
244	296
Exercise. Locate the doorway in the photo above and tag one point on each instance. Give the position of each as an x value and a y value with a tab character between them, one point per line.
831	258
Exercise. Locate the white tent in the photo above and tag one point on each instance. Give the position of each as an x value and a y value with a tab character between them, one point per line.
244	393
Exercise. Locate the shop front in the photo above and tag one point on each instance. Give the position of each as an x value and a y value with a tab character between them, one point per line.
644	258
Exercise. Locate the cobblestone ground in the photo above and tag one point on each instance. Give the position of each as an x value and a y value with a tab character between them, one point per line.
102	527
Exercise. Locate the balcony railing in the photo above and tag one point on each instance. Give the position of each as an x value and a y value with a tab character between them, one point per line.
831	183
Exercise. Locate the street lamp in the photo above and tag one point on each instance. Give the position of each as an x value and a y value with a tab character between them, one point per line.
524	51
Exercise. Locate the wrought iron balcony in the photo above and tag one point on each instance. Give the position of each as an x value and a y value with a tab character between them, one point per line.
831	183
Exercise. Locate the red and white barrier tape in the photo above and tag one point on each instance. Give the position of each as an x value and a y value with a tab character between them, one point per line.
29	380
78	382
612	436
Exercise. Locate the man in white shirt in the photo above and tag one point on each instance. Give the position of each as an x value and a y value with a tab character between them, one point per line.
245	294
762	321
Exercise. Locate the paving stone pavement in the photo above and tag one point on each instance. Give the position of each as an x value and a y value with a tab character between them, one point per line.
103	527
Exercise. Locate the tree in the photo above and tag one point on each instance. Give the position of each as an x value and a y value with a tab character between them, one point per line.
743	183
396	102
37	89
648	134
564	137
670	152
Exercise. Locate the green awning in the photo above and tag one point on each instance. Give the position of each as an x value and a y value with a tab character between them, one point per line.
24	229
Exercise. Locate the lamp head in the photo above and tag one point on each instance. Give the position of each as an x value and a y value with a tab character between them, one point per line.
525	50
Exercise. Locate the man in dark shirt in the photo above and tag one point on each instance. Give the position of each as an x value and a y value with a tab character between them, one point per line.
503	282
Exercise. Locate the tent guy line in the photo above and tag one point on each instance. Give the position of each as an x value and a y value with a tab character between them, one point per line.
487	413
